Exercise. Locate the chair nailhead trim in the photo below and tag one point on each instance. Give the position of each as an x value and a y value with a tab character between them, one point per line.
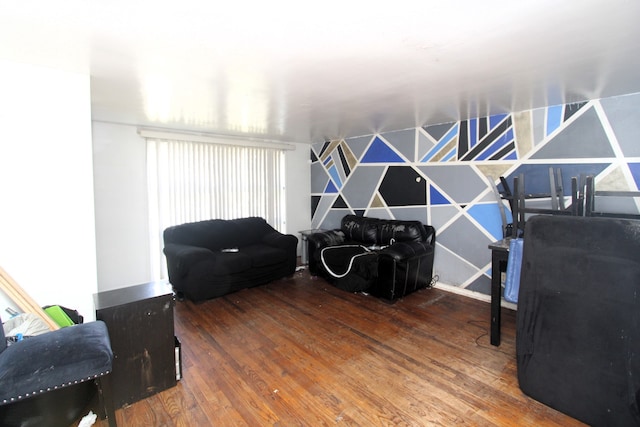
13	399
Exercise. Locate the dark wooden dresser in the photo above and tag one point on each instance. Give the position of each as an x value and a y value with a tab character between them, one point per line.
140	323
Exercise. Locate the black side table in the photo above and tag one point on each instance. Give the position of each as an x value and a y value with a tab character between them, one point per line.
140	323
499	258
304	248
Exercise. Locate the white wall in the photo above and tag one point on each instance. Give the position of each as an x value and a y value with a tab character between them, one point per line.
298	181
122	235
119	164
47	234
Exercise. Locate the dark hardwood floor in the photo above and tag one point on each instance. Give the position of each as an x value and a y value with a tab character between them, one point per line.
299	352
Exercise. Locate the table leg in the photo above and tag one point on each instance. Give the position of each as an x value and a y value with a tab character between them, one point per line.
498	264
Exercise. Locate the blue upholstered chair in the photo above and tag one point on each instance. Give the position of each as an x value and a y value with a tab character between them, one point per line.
43	378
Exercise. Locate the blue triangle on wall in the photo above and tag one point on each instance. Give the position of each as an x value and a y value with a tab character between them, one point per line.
379	152
635	172
333	171
330	188
436	197
495	120
488	216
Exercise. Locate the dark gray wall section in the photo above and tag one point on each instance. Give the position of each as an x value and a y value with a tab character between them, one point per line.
319	178
460	182
464	239
362	184
584	138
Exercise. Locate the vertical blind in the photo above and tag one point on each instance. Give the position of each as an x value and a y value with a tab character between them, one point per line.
193	181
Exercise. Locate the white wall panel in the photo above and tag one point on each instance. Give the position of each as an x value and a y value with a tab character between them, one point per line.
47	237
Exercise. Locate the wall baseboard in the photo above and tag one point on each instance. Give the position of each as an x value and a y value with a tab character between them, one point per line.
472	294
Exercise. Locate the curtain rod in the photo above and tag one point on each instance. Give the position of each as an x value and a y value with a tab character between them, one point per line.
215	139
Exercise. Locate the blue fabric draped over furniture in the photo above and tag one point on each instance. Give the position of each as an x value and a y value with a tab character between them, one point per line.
514	265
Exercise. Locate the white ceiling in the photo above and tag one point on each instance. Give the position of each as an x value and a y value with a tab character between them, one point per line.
306	72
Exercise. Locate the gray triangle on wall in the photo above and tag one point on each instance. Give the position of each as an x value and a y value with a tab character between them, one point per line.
404	141
583	138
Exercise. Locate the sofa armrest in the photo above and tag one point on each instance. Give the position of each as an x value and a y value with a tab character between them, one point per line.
402	251
430	237
181	257
279	240
316	242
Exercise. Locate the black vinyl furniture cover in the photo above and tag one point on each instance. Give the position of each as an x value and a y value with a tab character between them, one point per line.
578	319
208	259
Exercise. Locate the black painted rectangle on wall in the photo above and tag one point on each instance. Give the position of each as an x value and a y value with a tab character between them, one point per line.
403	186
482	127
504	151
463	138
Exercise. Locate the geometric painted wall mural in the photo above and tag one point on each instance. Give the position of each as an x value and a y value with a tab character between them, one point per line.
440	174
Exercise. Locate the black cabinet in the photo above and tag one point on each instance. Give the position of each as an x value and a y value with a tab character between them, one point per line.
140	323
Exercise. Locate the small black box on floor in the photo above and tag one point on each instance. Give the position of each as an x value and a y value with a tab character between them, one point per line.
178	350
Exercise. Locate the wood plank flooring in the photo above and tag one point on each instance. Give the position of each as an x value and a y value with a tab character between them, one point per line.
299	352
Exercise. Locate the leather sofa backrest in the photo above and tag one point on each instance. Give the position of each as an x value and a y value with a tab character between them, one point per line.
360	229
381	231
400	231
216	234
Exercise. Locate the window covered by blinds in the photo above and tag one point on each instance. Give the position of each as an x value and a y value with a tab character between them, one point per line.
194	181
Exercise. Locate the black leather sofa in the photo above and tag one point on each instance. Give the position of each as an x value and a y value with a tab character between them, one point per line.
385	258
211	258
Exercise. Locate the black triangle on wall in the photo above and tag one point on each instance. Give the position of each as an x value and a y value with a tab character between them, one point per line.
339	203
315	200
571	109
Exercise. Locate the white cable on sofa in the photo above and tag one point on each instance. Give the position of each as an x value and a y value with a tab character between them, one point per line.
339	276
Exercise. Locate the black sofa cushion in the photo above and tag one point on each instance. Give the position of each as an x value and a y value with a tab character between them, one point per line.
53	360
263	255
230	263
353	267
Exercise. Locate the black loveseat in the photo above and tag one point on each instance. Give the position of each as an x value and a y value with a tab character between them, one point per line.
385	258
207	259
